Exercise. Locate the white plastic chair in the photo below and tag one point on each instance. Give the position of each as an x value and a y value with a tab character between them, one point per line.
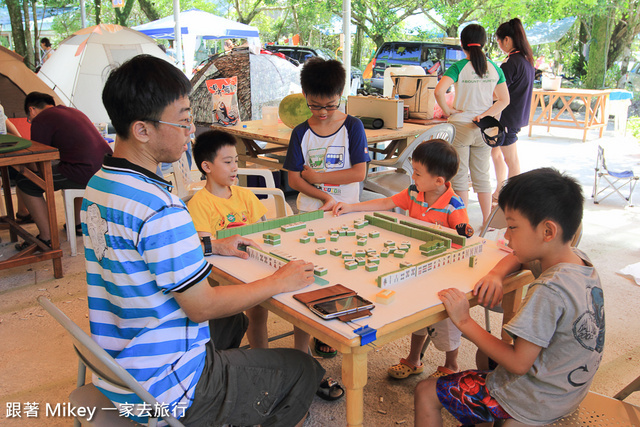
69	195
94	357
276	204
615	180
390	183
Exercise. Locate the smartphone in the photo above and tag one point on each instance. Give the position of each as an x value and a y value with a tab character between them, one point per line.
8	144
341	306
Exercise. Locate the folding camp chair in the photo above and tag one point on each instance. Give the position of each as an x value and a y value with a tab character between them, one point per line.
614	181
94	357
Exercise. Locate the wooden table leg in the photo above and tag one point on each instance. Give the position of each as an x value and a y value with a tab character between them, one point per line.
354	376
45	169
8	201
587	104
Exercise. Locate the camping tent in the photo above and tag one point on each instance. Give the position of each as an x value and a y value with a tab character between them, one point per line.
197	23
79	67
16	81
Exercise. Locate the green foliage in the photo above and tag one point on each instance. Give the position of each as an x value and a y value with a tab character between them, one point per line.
633	127
612	76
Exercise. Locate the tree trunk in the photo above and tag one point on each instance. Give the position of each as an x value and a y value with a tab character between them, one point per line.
149	10
30	57
98	5
122	13
378	39
598	53
623	34
356	52
583	40
17	31
36	37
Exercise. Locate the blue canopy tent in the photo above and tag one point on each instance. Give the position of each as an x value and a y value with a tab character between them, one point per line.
197	23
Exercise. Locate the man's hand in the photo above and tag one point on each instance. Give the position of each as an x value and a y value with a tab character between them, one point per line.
310	175
329	203
456	304
294	275
229	246
341	208
489	290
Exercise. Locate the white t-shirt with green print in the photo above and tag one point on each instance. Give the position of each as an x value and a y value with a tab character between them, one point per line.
474	94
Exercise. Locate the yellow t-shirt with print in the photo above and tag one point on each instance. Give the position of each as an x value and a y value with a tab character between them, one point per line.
212	213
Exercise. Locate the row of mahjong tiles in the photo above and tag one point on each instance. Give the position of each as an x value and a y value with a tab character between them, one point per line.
436	270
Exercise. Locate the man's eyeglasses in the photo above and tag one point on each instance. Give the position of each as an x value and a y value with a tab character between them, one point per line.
189	120
326	107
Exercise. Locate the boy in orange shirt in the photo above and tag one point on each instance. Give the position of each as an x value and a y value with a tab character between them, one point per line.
430	199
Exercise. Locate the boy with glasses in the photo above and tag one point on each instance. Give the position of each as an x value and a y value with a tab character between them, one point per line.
149	301
327	156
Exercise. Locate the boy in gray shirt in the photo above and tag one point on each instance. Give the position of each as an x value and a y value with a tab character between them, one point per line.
558	332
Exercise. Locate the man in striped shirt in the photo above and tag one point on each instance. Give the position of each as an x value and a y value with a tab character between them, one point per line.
149	302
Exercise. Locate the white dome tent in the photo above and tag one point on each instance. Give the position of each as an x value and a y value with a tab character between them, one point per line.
79	67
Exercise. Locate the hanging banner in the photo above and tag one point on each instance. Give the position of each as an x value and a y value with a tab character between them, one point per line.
225	100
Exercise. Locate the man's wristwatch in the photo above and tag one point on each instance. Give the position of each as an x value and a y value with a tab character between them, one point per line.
206	241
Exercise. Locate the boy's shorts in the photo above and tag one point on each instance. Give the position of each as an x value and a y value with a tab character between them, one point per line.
465	396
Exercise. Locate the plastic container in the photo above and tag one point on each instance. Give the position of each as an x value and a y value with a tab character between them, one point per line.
405	70
269	116
551	83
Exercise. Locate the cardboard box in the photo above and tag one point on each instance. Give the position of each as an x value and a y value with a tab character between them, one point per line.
391	111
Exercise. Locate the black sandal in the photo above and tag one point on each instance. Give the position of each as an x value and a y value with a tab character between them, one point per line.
24	219
330	390
24	245
78	229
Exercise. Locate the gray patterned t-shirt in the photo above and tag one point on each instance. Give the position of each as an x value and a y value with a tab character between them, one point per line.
563	313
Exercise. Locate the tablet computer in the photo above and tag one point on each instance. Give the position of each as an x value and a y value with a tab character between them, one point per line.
341	306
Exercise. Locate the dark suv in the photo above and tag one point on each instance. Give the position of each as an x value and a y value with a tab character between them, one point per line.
435	58
300	54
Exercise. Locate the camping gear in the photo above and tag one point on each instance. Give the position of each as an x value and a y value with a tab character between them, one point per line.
198	24
391	111
418	93
16	81
262	80
79	67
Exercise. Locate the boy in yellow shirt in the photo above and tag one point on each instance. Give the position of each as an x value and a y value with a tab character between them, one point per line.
221	205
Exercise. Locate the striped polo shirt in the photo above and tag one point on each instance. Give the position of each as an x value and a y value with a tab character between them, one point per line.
140	246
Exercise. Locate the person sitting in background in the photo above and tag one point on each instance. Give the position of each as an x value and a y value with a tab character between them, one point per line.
81	148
